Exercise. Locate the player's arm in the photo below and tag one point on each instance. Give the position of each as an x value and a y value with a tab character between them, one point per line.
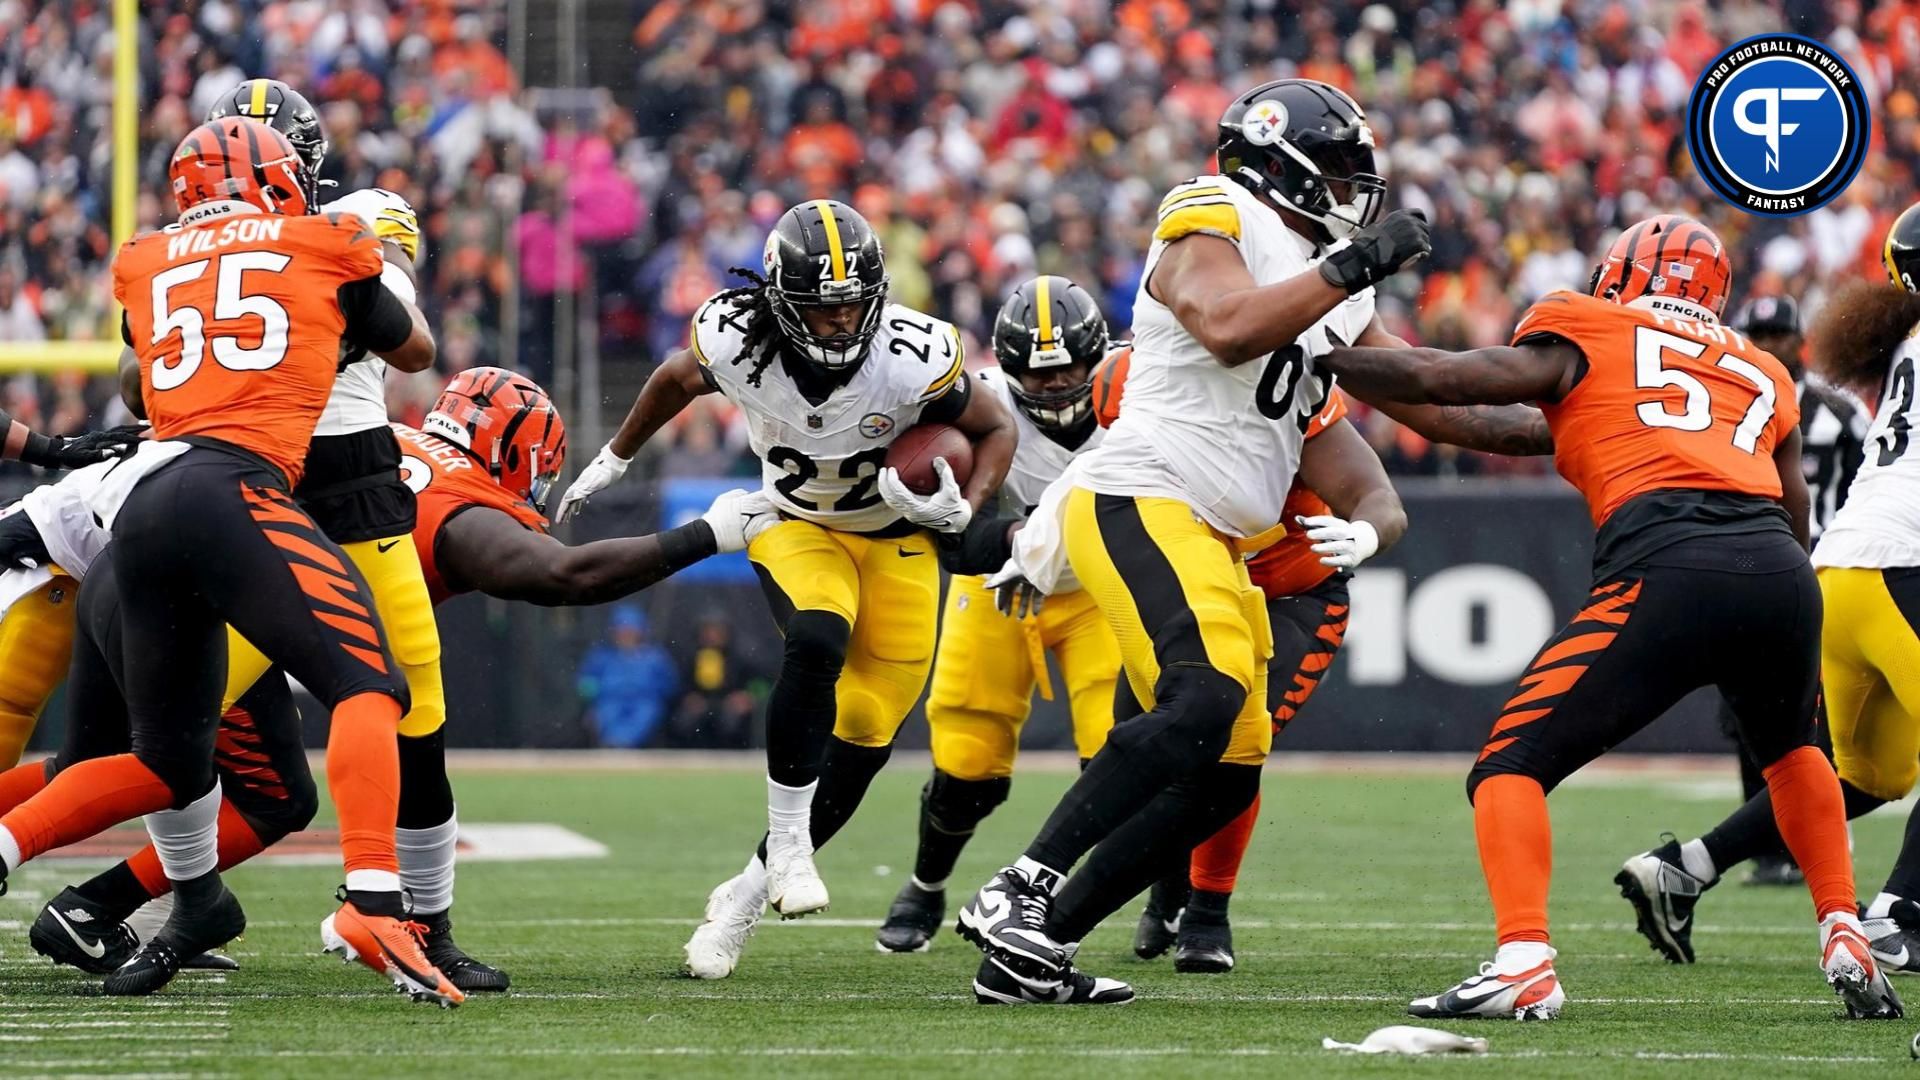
130	392
1203	279
988	424
668	391
1343	470
1514	430
485	550
1795	499
1540	369
382	322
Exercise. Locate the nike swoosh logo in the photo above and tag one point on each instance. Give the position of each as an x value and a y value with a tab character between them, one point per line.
905	554
386	547
1486	989
96	950
1898	959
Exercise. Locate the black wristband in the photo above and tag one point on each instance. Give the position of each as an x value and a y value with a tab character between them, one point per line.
983	547
687	544
38	450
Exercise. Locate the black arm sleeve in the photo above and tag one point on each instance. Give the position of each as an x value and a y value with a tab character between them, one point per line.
126	330
947	408
376	319
982	548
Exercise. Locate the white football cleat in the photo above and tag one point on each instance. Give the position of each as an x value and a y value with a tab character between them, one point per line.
733	910
1523	993
1846	959
794	887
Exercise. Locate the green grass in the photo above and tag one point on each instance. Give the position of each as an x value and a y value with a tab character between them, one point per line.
1360	892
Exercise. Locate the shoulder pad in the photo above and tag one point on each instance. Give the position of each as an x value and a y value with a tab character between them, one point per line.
1202	205
719	333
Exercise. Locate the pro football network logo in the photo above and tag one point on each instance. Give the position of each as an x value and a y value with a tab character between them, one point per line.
1778	125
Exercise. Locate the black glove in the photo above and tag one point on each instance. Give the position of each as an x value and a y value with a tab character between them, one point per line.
21	547
982	547
79	451
1377	251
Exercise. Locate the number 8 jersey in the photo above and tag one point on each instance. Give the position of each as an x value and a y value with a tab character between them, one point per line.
1225	441
1878	527
821	461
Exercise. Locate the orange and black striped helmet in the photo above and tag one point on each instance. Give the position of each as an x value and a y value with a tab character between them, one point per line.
242	160
509	424
1666	255
1110	383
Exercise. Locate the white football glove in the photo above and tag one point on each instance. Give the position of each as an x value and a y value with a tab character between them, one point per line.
604	469
1013	594
944	511
387	212
1340	543
738	516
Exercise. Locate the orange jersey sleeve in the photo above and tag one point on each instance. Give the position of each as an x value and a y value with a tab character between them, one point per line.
447	480
237	325
1666	403
1290	567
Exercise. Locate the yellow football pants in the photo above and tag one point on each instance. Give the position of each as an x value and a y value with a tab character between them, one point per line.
1870	672
887	590
392	569
1175	591
36	641
988	664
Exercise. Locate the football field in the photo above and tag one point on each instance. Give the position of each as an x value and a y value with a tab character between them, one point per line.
1361	892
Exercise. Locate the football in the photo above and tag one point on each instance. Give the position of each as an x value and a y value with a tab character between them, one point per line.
913	452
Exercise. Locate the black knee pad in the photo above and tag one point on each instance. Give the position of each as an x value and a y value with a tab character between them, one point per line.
956	806
426	795
274	812
816	647
1192	722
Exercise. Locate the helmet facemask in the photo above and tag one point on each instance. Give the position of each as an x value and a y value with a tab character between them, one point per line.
1342	193
839	351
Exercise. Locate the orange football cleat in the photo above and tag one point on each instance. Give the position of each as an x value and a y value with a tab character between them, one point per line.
394	948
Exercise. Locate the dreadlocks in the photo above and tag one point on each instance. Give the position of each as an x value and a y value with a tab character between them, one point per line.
1857	331
759	337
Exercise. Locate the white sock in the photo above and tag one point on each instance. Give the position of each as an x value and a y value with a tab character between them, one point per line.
790	808
188	839
426	864
1040	874
9	849
1695	860
929	886
373	881
1882	906
1521	955
754	876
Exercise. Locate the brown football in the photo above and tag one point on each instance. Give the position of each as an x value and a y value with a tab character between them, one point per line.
914	450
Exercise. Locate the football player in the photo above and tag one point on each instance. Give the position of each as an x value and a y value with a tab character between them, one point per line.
487	456
827	373
1252	273
1868	558
1684	439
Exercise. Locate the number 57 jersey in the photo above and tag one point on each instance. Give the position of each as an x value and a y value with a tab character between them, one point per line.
821	460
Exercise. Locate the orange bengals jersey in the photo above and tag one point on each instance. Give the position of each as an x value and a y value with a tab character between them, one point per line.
237	325
446	480
1666	403
1288	567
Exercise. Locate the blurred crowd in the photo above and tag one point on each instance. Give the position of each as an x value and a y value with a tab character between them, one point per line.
987	140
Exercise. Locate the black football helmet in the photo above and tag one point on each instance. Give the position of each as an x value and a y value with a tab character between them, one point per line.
1902	250
1304	146
287	111
824	254
1047	324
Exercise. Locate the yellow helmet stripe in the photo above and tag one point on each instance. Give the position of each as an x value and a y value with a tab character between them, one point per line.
838	255
1043	302
1886	256
257	108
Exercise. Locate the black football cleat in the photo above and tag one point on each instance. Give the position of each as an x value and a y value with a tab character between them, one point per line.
1159	925
75	931
1663	896
912	921
186	935
468	975
1205	946
997	984
1007	919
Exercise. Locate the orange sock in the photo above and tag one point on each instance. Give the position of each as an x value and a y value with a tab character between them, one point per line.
1216	862
363	773
1516	853
84	800
22	782
237	840
1812	816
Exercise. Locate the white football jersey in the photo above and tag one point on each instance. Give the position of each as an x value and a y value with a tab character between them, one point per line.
1038	460
61	515
1878	527
821	463
359	398
1225	441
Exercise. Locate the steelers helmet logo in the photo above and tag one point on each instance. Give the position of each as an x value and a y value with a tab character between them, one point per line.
1778	125
1264	123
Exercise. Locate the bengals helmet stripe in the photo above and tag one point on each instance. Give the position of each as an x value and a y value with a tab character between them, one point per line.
233	158
508	424
838	255
1666	255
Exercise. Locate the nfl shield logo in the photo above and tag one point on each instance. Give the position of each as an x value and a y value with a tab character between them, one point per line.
813	421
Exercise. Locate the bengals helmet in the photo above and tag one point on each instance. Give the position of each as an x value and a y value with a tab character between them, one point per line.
1110	384
824	254
242	160
285	110
1048	324
509	424
1304	146
1902	250
1666	255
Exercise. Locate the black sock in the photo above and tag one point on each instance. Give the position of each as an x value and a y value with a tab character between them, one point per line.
197	892
801	709
1750	832
117	890
426	795
389	904
950	810
1905	879
1208	906
844	779
1141	849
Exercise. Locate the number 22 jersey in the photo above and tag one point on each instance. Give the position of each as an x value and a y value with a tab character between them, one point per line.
821	462
1878	527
